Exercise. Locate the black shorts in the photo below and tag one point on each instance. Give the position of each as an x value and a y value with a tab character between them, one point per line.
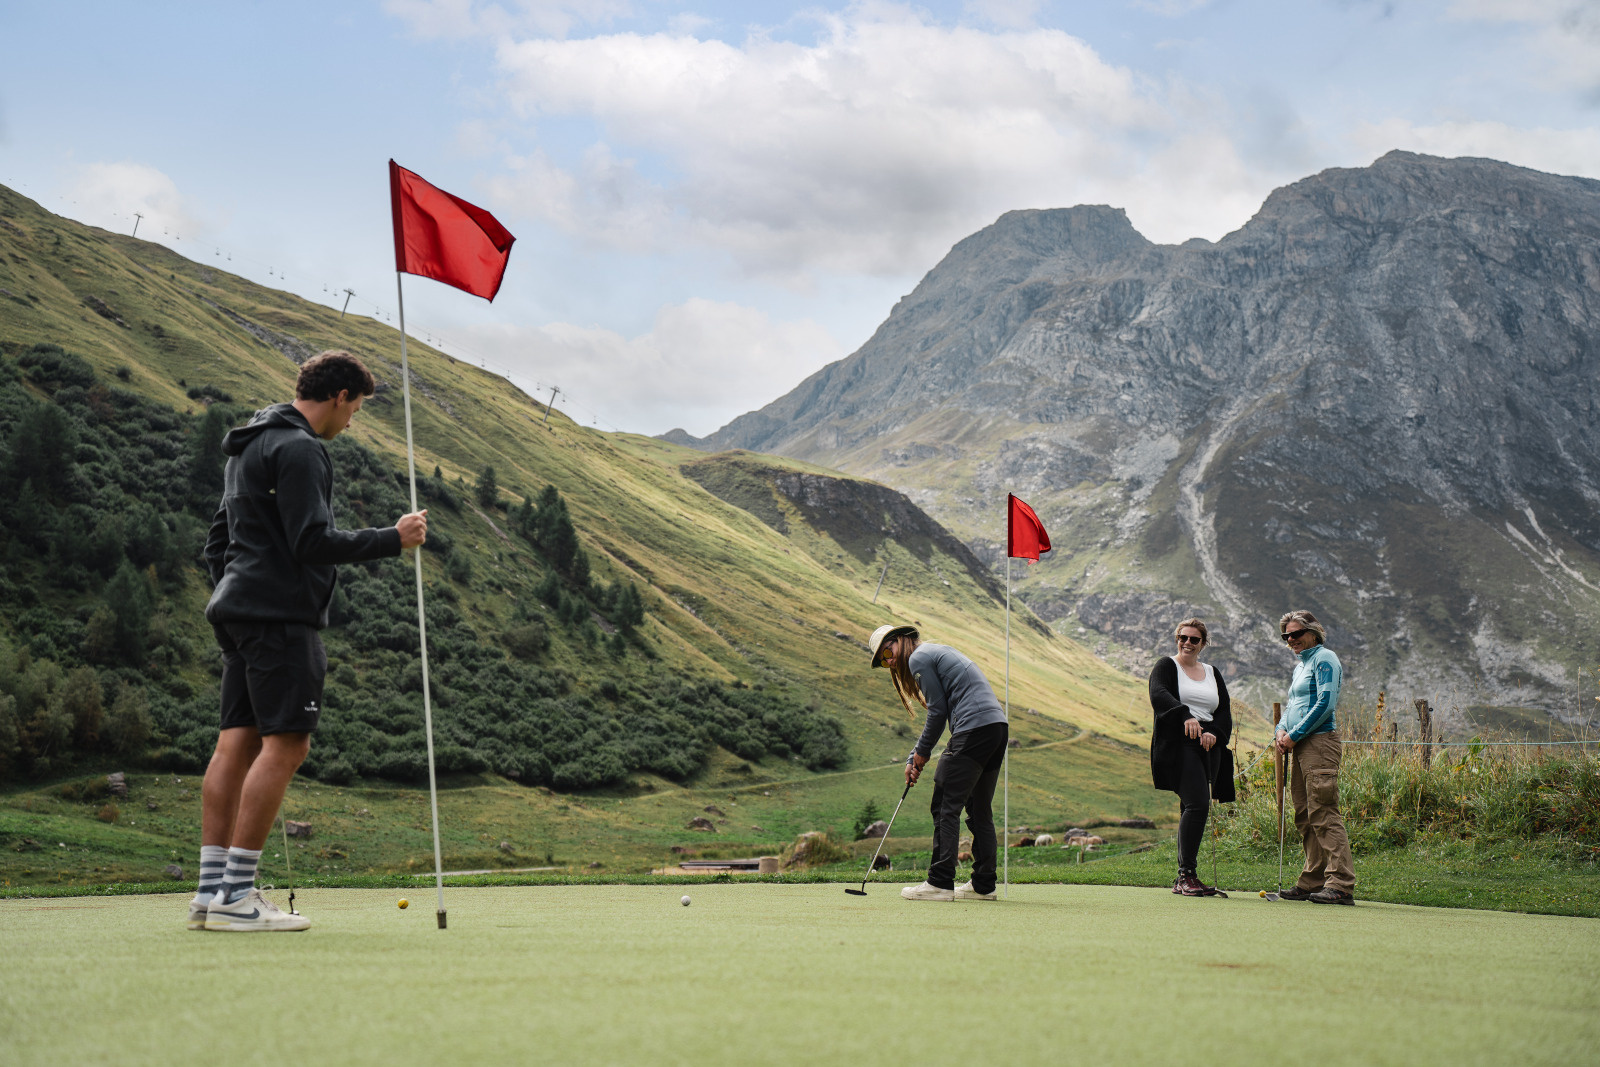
272	675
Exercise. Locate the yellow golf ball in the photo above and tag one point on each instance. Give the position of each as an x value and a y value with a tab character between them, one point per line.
404	903
1263	893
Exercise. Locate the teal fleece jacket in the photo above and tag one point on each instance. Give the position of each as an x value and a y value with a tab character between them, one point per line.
1313	694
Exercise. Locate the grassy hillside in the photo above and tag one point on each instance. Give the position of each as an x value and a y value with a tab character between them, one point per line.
755	598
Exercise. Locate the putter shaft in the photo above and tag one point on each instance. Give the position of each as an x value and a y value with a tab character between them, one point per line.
872	866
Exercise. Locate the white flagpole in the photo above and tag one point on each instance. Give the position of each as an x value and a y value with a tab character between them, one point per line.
422	618
1005	759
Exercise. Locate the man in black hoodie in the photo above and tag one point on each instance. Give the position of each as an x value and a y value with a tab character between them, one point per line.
272	553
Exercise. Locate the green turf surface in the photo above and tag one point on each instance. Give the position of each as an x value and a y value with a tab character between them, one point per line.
799	974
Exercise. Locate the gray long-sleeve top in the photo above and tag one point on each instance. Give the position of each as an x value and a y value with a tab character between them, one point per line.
956	691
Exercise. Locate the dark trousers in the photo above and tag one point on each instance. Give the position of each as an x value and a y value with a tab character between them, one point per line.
1194	800
965	778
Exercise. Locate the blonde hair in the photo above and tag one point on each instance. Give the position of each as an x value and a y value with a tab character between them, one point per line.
1306	619
1205	635
905	683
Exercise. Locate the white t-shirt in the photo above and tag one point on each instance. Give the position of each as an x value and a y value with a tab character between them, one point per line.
1201	697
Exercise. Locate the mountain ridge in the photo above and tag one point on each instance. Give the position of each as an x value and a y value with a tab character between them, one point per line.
1372	399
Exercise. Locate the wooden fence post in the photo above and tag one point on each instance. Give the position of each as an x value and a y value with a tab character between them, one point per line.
1425	728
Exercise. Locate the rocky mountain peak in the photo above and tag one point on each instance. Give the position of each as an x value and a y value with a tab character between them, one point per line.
1375	399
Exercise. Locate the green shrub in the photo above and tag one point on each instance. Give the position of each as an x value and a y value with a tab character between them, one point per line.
864	818
526	641
1389	798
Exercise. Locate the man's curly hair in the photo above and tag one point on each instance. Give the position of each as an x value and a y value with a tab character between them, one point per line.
326	374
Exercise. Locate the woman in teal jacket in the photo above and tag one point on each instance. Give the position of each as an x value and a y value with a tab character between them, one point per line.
1310	731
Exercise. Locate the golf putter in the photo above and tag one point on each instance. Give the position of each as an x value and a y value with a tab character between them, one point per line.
1277	773
874	864
287	862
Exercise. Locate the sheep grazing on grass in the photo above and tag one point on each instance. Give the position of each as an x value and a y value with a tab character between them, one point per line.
1043	840
1084	841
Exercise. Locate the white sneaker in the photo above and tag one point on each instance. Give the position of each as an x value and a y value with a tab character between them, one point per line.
251	912
197	910
927	892
966	892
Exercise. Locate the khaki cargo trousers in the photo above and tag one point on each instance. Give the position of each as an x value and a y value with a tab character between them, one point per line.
1314	785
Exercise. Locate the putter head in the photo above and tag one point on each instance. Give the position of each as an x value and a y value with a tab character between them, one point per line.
1270	896
856	892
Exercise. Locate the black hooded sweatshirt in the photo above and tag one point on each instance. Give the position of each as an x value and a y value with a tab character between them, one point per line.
273	544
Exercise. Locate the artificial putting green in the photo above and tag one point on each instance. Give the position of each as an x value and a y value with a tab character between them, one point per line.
798	974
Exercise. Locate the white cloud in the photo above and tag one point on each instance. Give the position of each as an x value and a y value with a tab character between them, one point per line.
870	150
110	194
1564	35
1556	151
701	363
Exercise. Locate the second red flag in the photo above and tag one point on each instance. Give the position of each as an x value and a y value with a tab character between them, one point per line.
1025	536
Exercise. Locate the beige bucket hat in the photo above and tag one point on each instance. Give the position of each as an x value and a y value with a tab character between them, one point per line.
882	634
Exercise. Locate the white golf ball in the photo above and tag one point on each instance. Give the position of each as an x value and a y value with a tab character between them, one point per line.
684	900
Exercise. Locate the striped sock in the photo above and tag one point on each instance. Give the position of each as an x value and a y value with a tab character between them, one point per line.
213	859
240	875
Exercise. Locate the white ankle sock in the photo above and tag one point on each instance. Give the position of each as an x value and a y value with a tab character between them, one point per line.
213	860
241	872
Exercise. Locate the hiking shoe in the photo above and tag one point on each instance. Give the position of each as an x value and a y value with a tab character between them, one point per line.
197	910
1294	892
1190	886
966	892
1329	895
253	911
925	891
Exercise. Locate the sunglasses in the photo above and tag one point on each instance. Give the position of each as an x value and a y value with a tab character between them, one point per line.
1185	639
1292	634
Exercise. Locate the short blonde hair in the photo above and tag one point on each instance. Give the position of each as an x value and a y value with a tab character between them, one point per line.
1205	635
1306	619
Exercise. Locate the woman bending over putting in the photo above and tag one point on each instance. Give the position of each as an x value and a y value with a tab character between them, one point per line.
1189	744
952	690
1309	731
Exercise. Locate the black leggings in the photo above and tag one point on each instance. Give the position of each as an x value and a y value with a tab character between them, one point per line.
1194	798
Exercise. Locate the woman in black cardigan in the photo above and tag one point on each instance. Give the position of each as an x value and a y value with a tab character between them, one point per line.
1189	744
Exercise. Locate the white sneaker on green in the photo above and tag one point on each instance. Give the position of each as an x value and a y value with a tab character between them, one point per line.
253	911
927	892
197	910
966	892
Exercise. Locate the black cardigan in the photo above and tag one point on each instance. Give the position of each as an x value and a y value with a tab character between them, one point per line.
1167	739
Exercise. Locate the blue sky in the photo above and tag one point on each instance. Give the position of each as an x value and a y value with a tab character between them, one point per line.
714	200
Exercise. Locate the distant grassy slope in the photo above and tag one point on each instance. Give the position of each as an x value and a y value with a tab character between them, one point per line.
728	596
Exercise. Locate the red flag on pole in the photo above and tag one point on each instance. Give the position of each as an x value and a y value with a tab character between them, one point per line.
443	237
1025	536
